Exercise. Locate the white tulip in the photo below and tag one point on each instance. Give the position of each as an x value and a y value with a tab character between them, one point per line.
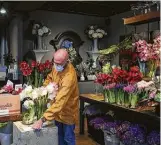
91	32
35	94
44	92
95	35
40	32
28	104
45	29
22	95
33	31
36	26
50	88
100	35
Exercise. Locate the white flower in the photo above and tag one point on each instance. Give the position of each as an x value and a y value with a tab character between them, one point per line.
103	32
94	35
28	91
50	88
98	30
36	26
45	29
40	32
33	31
91	27
22	95
28	104
100	35
35	93
113	66
43	91
91	32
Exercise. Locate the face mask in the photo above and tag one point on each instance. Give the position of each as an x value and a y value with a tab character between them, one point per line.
59	68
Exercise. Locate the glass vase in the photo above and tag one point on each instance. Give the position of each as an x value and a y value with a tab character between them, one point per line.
126	102
133	100
142	65
105	93
111	96
28	116
119	95
151	68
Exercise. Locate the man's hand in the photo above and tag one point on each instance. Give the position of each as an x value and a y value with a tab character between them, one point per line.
37	125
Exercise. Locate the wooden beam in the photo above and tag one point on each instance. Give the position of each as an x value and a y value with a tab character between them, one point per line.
143	18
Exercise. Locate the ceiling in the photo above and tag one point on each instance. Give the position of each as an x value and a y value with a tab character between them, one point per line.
91	8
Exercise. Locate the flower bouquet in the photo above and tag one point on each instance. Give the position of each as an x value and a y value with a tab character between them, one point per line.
95	32
40	30
35	72
35	101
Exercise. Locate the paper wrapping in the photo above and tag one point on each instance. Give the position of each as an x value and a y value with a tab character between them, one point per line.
25	135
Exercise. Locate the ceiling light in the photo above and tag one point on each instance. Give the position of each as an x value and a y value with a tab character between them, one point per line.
3	11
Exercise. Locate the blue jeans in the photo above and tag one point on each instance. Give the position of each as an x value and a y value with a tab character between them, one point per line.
66	133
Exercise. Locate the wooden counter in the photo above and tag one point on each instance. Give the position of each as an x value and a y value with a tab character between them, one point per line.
133	115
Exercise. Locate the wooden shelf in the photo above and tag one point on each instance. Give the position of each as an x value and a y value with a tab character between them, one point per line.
141	19
14	117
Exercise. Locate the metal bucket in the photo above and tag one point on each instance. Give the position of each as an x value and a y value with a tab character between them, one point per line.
111	139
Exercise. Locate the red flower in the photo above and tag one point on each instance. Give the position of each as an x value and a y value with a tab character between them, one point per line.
41	67
33	64
23	65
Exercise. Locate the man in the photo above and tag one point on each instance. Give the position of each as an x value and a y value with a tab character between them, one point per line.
64	110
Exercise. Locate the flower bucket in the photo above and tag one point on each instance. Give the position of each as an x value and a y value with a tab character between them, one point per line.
111	139
133	100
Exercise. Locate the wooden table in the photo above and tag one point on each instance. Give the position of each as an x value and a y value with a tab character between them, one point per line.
151	120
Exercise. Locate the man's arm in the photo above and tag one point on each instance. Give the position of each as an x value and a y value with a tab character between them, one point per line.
62	97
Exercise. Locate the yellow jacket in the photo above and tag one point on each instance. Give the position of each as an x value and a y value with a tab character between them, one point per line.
65	107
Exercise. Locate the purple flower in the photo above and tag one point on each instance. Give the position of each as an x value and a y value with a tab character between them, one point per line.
120	86
130	89
153	138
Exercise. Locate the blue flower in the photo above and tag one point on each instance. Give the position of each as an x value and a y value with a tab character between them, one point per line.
67	44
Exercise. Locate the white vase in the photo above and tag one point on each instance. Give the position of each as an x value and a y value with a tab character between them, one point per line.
39	43
82	78
95	45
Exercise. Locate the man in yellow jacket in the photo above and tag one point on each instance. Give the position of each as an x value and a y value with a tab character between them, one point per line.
64	110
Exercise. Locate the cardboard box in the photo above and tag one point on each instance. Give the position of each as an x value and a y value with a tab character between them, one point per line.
9	104
25	135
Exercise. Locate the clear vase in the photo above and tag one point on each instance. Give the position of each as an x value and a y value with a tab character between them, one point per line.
119	97
105	93
133	100
142	65
126	102
28	116
111	96
151	68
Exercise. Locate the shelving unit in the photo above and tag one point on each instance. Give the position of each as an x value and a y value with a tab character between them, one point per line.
143	18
